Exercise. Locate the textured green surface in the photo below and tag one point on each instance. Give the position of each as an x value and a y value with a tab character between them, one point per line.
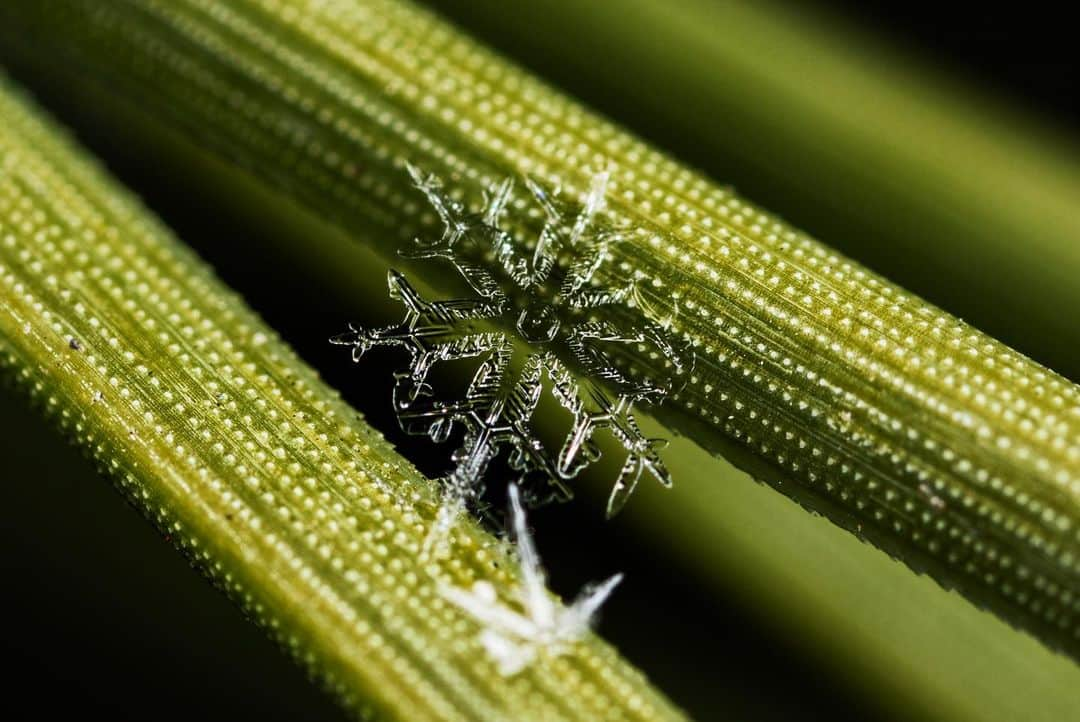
270	484
949	194
922	653
905	425
108	611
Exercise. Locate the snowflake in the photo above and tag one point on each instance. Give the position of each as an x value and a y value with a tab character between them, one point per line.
512	638
530	309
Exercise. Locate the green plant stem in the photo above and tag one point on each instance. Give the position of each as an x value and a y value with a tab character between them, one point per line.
906	170
951	451
272	486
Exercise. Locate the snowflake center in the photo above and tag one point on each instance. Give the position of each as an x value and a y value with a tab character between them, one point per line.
538	322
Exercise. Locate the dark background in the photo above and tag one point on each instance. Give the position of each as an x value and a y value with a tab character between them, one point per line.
101	612
1025	53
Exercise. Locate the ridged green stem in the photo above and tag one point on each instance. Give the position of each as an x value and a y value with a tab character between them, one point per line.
951	451
885	157
272	486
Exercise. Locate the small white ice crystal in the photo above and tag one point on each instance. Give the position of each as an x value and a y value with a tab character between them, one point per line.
514	636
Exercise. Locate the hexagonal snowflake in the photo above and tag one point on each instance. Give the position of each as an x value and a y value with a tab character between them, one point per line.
533	309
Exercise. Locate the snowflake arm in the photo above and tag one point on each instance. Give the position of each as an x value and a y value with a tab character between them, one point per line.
584	267
582	612
495	202
638	462
559	219
452	213
537	600
594	203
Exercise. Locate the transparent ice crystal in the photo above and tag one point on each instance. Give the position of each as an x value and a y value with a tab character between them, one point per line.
532	308
514	636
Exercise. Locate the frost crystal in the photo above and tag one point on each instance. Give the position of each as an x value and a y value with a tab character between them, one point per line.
514	638
532	307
